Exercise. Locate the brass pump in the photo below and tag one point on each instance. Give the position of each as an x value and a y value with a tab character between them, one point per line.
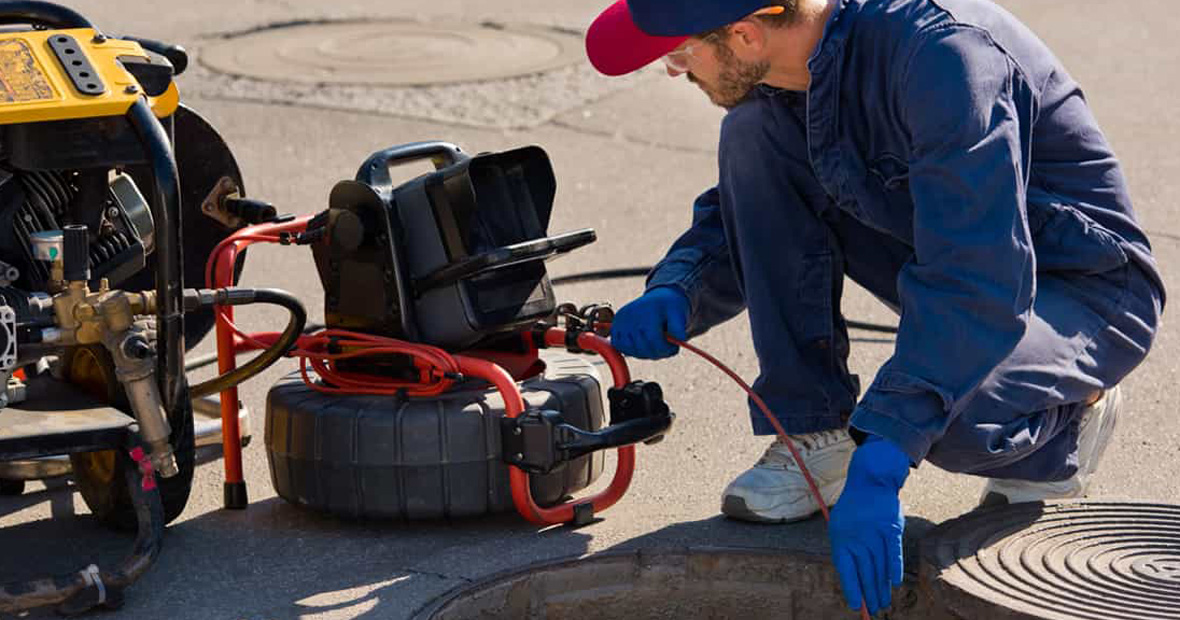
109	317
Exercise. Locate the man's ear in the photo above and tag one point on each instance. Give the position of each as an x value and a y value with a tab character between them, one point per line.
747	39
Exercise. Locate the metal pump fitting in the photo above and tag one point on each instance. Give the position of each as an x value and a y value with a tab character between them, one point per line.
108	317
135	366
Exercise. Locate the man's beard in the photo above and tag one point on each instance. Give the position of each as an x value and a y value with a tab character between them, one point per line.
735	80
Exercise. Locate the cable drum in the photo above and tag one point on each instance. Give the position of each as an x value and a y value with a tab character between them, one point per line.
1068	560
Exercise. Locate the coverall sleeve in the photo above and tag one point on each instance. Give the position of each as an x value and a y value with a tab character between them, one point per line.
699	265
967	292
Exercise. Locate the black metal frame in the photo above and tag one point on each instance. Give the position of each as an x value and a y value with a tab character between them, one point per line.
541	441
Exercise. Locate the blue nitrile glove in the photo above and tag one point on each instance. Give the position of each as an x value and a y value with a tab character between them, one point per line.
867	524
638	327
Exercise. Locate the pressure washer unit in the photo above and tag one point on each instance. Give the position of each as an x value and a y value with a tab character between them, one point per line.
98	157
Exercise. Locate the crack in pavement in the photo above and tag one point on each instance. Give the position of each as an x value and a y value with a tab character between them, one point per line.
629	139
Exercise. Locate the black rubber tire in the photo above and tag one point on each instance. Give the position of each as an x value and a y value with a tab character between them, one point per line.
100	475
12	488
395	458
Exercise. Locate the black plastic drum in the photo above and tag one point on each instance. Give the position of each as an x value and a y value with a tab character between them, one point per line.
394	457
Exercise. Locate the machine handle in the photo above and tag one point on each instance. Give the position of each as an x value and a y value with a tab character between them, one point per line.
499	258
539	442
42	14
176	54
375	171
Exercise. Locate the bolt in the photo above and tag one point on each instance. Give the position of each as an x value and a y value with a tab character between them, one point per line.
113	212
516	430
131	90
99	38
518	457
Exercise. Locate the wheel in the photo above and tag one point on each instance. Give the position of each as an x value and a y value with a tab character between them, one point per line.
100	475
419	458
12	488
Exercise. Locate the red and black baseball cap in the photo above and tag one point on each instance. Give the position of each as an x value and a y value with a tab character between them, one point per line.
630	34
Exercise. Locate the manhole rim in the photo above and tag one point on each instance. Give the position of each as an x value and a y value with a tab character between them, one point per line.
440	602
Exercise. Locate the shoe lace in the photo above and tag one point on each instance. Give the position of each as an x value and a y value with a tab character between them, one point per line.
807	443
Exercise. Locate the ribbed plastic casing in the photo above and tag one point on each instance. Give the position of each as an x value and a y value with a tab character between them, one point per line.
391	457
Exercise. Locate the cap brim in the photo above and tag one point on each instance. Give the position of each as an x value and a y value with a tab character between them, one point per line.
616	46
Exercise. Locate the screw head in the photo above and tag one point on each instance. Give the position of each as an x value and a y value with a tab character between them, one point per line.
99	38
131	90
113	212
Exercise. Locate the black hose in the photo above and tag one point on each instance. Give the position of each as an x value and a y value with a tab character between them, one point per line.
633	272
42	14
871	327
81	591
195	299
605	274
193	363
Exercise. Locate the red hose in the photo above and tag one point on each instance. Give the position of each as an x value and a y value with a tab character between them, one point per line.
782	434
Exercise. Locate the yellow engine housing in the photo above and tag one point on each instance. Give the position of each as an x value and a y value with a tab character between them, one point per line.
35	86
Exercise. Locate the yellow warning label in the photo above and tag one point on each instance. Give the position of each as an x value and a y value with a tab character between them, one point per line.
21	78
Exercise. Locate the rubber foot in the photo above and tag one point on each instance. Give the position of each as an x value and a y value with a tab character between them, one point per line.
235	496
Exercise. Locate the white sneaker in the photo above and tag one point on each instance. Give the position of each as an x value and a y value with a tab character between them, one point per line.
1094	432
775	491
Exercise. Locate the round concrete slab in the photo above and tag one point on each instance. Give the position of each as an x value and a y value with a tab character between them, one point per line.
392	53
1081	560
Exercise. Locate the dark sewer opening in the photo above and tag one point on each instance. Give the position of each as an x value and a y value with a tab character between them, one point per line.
1064	560
664	585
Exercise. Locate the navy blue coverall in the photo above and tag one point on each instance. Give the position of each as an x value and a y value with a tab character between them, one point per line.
943	159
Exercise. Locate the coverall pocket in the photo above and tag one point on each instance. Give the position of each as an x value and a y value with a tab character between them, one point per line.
1065	239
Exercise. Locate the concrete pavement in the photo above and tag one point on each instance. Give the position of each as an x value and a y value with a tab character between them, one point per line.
629	159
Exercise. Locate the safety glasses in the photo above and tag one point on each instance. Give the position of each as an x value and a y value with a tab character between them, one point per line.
677	60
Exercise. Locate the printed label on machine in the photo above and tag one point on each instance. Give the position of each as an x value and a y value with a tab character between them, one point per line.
20	75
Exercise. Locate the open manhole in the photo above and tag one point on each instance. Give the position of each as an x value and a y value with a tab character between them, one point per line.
663	585
1068	560
393	52
1087	560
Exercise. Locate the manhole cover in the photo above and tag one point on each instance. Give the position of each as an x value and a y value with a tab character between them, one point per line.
392	52
649	585
1059	561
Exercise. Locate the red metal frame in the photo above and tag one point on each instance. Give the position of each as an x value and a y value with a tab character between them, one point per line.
220	274
522	495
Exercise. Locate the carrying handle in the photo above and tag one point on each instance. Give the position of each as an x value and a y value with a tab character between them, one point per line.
375	171
176	54
507	256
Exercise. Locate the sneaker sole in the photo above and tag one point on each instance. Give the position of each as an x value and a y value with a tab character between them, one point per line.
735	507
